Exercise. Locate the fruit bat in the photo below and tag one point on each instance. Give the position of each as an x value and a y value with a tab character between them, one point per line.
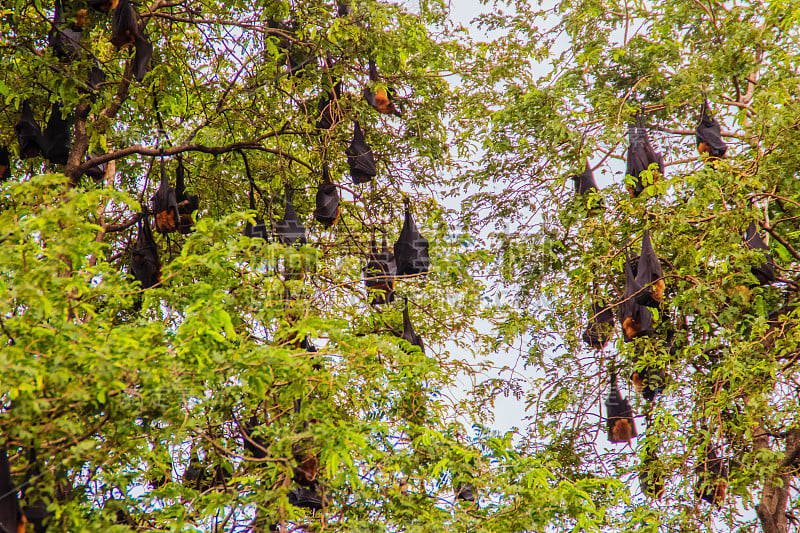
379	274
307	459
765	272
411	248
648	381
327	202
306	498
636	319
125	31
256	445
5	164
195	472
584	182
145	264
601	325
619	416
343	8
640	156
651	475
328	109
289	229
360	157
11	518
29	134
165	204
408	330
56	140
708	135
712	476
465	491
65	41
187	203
649	275
259	230
380	98
97	172
96	76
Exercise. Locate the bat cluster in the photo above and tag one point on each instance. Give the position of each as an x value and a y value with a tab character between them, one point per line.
643	299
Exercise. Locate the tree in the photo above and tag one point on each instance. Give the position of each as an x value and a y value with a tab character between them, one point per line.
563	85
185	392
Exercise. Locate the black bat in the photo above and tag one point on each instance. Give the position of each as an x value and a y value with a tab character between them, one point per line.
640	156
328	109
5	164
327	200
187	203
651	475
708	135
765	272
97	172
408	330
411	248
307	499
165	204
584	182
56	138
379	98
289	229
343	9
712	475
600	327
649	381
65	41
636	319
380	272
125	31
649	275
11	518
29	134
307	460
619	416
360	157
96	76
465	492
145	264
259	230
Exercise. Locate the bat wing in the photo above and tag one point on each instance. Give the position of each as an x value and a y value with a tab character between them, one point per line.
145	263
29	134
290	230
55	141
360	157
411	249
327	203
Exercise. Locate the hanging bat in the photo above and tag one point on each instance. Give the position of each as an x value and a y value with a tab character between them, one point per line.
411	248
765	272
327	201
636	319
651	475
307	459
306	499
360	157
408	330
328	109
465	492
640	156
256	445
289	229
712	476
96	76
56	140
125	25
11	518
343	8
29	134
5	164
619	416
96	172
380	98
649	275
145	264
195	474
142	56
648	381
708	135
187	203
165	204
584	182
601	326
259	230
102	5
65	40
380	272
